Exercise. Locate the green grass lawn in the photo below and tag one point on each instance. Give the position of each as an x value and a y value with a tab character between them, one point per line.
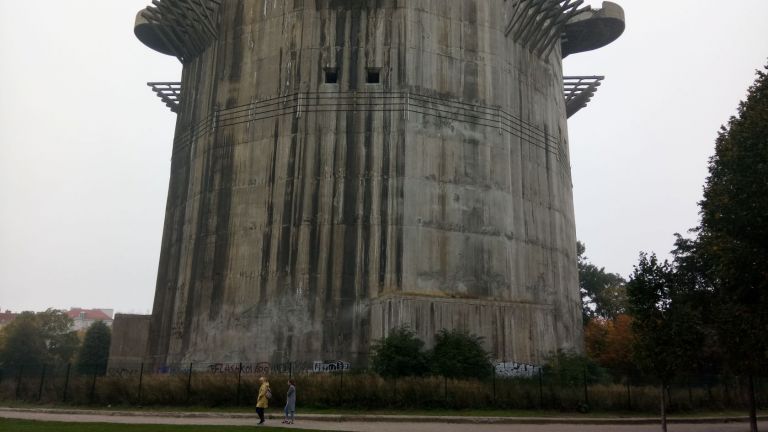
33	426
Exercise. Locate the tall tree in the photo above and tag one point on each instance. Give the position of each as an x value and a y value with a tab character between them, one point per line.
38	338
61	340
24	342
610	343
666	326
691	270
603	295
94	354
733	235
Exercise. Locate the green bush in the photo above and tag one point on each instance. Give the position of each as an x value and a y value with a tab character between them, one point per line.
458	354
569	369
400	354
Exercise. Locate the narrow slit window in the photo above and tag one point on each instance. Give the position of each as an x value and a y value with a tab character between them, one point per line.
374	76
331	76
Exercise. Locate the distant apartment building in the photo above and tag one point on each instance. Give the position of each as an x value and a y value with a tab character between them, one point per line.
84	318
6	318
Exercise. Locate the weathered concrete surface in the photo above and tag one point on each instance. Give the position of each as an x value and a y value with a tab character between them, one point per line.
306	219
129	340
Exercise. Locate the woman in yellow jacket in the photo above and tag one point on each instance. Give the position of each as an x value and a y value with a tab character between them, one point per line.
263	400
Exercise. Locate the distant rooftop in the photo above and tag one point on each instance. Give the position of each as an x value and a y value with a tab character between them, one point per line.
7	316
90	314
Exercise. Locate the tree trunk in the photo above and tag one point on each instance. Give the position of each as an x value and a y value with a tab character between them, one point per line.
752	404
663	408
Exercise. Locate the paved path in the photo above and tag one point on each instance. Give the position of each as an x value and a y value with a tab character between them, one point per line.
378	426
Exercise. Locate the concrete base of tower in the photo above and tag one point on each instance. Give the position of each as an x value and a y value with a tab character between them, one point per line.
519	332
128	347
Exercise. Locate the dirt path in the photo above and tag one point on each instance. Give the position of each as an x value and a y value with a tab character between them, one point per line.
370	426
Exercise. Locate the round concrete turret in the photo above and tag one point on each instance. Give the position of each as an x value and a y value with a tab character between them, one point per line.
149	34
593	29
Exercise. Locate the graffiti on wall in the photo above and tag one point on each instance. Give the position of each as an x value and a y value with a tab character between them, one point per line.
265	368
262	368
334	366
123	371
517	370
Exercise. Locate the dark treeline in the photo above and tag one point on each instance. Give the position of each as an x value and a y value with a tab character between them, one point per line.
704	311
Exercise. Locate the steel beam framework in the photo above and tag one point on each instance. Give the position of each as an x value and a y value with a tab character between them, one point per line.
169	93
539	24
579	91
187	27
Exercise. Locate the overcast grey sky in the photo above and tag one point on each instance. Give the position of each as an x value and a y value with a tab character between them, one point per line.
85	146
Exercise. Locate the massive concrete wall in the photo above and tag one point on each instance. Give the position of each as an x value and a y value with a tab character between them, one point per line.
129	341
306	219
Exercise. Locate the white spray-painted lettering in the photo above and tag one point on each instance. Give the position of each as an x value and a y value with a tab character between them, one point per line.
331	366
517	370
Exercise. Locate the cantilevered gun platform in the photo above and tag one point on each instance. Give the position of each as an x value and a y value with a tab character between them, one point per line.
538	24
591	29
181	28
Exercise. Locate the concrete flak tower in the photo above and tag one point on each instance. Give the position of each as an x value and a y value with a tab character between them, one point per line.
344	167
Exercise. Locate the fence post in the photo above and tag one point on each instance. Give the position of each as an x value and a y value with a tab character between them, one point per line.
629	394
40	388
493	368
239	376
141	380
66	383
668	391
445	388
189	383
690	391
341	386
93	386
586	387
18	381
541	388
394	391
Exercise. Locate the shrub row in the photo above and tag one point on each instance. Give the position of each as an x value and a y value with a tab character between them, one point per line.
368	391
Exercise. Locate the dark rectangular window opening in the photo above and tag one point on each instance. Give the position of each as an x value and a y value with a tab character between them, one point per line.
374	76
331	76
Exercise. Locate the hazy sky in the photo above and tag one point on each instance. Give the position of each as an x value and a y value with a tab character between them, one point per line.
85	146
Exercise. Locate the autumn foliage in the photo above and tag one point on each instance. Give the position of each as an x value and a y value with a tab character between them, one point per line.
609	343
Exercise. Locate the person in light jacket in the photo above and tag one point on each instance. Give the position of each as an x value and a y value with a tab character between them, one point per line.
290	402
263	400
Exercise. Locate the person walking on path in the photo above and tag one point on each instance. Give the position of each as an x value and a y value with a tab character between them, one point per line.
290	402
262	402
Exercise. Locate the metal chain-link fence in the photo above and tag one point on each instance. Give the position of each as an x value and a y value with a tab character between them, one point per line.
341	385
